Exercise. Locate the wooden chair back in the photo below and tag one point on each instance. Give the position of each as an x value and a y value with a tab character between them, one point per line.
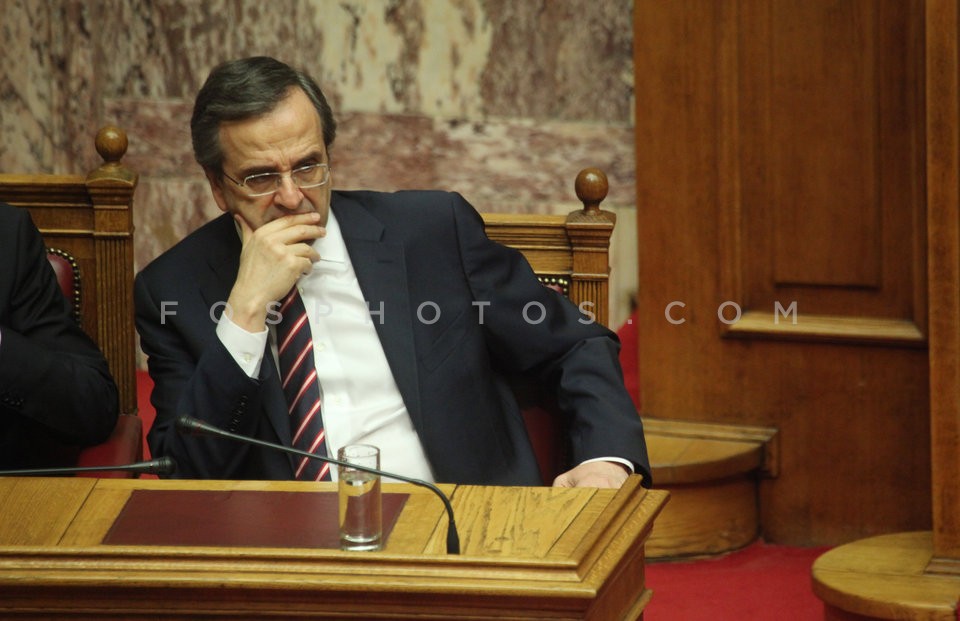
89	220
570	253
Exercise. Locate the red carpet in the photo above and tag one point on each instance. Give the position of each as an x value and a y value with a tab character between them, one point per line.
759	583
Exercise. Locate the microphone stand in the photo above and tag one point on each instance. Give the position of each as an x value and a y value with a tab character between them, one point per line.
160	466
190	425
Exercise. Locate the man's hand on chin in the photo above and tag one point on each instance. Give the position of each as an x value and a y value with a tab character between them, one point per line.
593	474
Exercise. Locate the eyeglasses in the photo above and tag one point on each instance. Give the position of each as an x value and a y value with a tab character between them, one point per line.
262	184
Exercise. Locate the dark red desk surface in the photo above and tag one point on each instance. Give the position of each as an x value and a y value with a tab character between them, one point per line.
238	518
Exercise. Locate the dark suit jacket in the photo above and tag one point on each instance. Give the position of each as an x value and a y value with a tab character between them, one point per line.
407	248
56	392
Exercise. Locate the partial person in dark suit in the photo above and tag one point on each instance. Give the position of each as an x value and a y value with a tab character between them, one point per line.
416	316
56	391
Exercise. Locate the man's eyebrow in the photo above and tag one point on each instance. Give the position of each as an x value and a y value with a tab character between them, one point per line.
257	170
314	157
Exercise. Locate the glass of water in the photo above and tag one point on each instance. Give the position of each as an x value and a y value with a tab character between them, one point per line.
360	499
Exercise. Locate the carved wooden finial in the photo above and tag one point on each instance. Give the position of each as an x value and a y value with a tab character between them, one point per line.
591	187
111	143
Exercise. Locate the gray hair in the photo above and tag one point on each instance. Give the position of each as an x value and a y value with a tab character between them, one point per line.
247	88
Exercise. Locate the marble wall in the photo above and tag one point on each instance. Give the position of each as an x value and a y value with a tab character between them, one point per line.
501	100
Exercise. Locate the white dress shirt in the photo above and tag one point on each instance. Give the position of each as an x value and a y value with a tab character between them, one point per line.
361	401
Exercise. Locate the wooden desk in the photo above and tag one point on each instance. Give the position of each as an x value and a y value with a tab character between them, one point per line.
528	553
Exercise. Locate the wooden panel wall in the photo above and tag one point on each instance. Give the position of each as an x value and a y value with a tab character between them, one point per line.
781	167
943	161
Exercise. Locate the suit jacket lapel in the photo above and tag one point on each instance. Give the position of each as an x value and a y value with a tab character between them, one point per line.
382	275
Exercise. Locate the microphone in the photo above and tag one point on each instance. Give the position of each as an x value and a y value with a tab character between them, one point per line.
193	426
160	466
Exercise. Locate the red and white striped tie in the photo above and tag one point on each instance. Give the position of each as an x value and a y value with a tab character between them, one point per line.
298	374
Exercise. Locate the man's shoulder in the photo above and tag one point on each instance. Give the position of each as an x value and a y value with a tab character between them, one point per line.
411	206
210	238
405	199
18	233
8	211
11	216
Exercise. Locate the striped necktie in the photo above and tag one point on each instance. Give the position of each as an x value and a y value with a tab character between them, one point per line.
298	374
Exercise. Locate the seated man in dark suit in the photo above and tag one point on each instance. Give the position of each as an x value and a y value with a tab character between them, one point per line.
56	391
413	317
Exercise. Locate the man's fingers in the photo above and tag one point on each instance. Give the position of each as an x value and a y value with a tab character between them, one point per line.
593	474
291	230
245	230
306	251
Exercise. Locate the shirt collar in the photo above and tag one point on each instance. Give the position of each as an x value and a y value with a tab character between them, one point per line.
331	247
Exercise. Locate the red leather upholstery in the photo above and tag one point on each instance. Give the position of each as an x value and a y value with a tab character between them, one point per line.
546	436
546	428
125	445
630	356
68	277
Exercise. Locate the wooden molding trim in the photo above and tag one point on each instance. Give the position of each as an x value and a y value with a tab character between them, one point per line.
767	438
940	565
829	328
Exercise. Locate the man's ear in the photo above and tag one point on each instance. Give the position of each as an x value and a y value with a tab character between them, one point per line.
216	187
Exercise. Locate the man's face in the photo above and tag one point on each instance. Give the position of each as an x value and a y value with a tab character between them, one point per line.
287	138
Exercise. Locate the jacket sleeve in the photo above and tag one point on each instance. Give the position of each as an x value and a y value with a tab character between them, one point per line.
194	375
51	372
535	331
